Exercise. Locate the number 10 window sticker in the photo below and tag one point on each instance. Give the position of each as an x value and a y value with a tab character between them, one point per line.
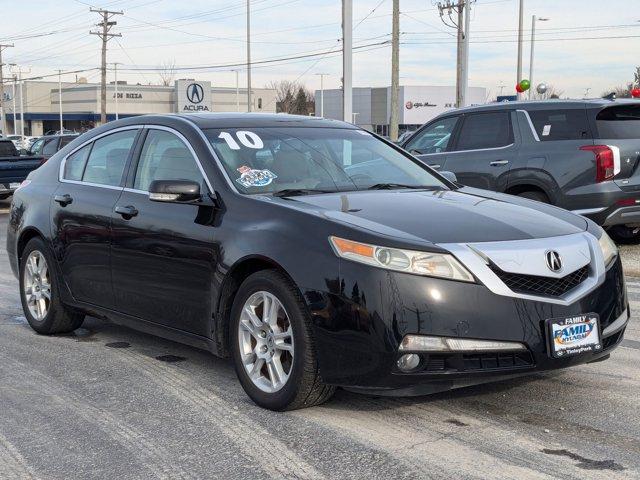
249	177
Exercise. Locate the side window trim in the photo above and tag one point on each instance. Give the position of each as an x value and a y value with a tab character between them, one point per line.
91	141
182	138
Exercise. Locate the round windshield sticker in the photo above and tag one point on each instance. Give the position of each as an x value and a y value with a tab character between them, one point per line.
255	178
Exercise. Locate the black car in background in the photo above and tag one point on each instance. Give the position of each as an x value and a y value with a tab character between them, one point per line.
14	167
581	155
313	253
47	145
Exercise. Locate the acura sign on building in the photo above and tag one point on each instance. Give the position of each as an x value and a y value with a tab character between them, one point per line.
193	96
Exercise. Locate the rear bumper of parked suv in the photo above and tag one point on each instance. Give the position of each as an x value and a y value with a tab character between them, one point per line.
359	330
607	205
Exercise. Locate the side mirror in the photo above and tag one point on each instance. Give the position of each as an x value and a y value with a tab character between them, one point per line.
174	191
449	176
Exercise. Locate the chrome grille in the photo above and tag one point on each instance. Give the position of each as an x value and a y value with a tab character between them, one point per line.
547	286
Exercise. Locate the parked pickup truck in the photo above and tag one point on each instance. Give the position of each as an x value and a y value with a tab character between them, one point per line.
14	168
582	155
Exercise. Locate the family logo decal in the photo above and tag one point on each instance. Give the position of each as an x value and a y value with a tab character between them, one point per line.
255	178
574	333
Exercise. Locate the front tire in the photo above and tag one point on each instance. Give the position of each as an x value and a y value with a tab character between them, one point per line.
39	292
625	235
273	349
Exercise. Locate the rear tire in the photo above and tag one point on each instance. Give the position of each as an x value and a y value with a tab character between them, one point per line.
258	344
40	293
625	235
534	195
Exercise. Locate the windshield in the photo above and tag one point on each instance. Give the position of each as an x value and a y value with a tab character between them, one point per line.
276	159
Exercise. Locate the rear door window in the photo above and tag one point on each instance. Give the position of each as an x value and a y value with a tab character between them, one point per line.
485	130
560	124
74	164
108	158
619	122
50	147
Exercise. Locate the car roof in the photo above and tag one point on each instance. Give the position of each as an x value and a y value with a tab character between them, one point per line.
63	135
546	104
231	120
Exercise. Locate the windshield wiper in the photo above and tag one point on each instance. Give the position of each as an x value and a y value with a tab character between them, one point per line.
292	192
390	186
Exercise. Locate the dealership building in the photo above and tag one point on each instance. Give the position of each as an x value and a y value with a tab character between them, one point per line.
80	102
417	105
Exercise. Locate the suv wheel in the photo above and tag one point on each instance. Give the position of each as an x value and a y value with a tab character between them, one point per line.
533	195
272	344
39	292
624	234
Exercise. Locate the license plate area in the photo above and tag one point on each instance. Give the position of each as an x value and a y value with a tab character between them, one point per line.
575	335
14	185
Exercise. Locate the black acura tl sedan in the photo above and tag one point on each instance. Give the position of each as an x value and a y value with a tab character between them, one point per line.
313	253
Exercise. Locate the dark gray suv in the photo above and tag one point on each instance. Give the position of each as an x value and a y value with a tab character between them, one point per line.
581	155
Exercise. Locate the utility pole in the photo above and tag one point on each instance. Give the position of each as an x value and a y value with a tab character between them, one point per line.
449	10
519	69
322	75
248	55
395	71
13	94
105	36
3	119
347	60
60	100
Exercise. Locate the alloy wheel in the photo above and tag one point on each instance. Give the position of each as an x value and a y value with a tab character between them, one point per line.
265	337
37	285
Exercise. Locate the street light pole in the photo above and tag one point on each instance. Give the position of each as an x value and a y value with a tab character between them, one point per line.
322	75
237	92
520	26
347	60
533	41
60	99
13	95
248	55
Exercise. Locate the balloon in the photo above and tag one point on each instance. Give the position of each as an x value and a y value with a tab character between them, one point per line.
519	88
525	84
635	92
541	88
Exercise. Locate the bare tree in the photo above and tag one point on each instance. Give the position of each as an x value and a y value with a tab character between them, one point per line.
552	92
621	91
167	72
292	97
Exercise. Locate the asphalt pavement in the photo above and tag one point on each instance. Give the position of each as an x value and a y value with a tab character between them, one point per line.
109	402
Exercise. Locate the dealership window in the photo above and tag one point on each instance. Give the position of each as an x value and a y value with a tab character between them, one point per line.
74	164
108	158
560	124
485	130
434	138
165	157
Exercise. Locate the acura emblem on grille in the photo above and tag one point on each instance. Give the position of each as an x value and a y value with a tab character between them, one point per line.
554	262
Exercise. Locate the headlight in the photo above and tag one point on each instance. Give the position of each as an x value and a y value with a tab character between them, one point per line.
609	249
420	263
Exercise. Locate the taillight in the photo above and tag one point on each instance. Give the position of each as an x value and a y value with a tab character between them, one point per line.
605	163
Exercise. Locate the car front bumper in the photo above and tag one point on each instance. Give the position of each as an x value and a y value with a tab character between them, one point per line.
360	323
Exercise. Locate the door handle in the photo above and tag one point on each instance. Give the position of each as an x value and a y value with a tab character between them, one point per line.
126	211
498	163
435	166
63	200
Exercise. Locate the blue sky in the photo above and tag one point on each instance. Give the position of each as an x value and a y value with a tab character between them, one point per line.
206	33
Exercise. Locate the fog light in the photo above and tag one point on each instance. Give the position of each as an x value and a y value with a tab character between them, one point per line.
408	362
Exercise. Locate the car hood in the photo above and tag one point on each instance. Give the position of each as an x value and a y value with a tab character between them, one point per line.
451	216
